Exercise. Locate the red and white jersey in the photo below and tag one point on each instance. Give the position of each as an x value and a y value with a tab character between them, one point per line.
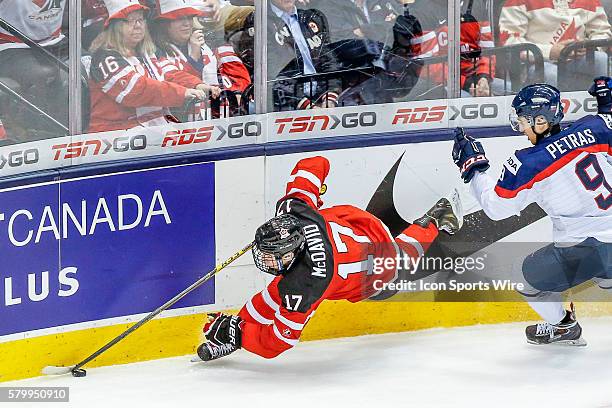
548	22
337	262
475	35
40	20
221	67
127	92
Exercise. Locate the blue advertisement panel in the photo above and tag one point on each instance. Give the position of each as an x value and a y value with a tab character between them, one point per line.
104	247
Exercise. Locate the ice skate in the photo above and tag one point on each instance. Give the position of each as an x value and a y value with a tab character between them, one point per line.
568	332
446	214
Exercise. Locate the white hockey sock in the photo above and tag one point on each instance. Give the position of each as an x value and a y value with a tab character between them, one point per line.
549	306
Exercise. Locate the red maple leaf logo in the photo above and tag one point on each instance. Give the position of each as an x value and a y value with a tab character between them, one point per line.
570	33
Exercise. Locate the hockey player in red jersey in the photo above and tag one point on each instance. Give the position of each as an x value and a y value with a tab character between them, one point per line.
316	254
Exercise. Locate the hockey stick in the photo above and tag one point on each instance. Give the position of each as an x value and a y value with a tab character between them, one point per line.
77	371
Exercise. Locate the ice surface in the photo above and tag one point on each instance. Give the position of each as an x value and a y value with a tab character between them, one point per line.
478	366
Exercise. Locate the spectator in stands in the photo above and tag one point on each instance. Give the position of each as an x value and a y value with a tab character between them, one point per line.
359	30
27	72
215	55
372	19
298	48
201	54
298	43
552	26
3	134
127	87
93	14
182	47
222	15
476	71
400	70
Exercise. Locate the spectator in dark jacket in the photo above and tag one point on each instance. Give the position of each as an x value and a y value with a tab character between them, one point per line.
298	48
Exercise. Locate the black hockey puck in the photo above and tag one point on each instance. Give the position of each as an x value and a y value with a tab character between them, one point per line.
79	372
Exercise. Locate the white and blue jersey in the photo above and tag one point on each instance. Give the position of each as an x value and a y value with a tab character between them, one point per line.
568	174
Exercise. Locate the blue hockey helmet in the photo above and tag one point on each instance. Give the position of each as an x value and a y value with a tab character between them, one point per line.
536	100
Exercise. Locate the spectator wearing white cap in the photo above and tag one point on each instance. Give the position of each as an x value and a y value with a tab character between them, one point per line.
213	62
127	83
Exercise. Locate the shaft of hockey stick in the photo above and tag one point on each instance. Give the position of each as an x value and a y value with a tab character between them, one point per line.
56	370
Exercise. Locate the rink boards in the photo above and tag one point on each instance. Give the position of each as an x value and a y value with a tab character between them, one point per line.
87	251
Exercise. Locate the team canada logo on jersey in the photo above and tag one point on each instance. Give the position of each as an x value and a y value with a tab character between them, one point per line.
49	9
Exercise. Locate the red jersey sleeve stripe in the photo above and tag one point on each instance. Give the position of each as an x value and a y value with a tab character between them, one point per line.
135	78
291	342
119	75
269	301
308	176
424	38
304	195
289	323
256	315
411	243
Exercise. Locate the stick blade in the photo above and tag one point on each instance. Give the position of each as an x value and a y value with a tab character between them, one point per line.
56	370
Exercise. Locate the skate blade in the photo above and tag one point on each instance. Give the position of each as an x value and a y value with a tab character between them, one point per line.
580	342
457	207
195	359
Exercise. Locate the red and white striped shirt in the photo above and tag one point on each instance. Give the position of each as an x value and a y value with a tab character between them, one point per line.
126	92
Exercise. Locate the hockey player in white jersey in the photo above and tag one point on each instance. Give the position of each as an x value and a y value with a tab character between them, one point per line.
569	174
